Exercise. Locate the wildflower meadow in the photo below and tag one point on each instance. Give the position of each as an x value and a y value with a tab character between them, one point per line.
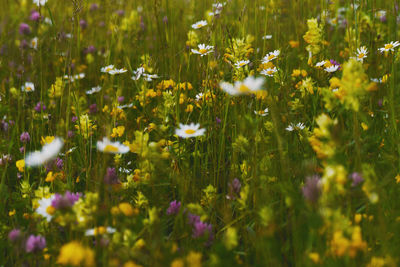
199	133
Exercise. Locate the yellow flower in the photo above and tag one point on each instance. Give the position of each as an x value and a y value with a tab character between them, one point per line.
313	36
177	263
364	126
85	126
397	178
56	88
47	140
75	254
20	165
294	44
50	177
127	209
314	256
189	108
11	213
119	131
131	264
194	259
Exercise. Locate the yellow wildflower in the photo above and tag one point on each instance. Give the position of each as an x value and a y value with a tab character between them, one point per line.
75	254
20	165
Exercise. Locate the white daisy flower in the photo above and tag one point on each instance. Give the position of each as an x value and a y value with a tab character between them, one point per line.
28	87
321	63
107	69
190	130
40	2
247	86
267	37
332	68
269	72
377	80
218	5
262	113
48	21
241	63
75	77
49	151
199	24
93	90
389	47
199	97
111	147
45	208
34	42
138	73
271	56
117	71
361	53
101	230
150	77
125	106
298	126
203	50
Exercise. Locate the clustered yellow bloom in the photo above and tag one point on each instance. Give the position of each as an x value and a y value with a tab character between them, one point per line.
75	254
341	245
85	126
56	88
353	85
313	36
321	141
124	208
118	131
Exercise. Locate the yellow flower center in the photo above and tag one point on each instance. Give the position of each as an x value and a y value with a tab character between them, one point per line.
361	55
388	46
203	51
270	72
28	88
190	131
110	148
100	230
241	64
108	69
50	210
244	89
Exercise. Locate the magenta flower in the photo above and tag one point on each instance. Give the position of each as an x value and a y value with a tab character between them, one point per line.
35	243
174	208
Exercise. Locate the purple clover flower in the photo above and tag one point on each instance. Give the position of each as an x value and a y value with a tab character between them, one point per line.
35	16
201	228
356	178
65	201
35	243
40	107
193	219
93	108
174	208
111	177
234	189
25	137
312	188
59	163
14	235
24	29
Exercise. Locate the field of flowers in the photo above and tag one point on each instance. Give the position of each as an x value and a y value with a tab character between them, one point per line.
199	133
